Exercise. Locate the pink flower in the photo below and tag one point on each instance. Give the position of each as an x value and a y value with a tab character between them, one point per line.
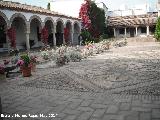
20	62
6	62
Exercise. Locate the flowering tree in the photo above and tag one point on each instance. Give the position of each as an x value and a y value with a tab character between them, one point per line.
84	14
11	33
93	19
66	35
44	35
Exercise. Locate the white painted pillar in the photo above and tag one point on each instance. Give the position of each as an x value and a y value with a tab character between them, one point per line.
125	32
8	42
72	32
27	36
7	39
63	37
147	30
27	41
136	31
114	32
54	36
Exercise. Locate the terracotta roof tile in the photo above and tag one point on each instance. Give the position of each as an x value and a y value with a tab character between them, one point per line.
147	19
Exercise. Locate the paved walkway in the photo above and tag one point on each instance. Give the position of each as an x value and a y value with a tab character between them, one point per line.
120	84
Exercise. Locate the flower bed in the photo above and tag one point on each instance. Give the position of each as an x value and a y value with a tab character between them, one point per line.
62	55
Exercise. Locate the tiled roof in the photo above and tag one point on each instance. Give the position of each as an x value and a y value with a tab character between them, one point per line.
133	20
28	8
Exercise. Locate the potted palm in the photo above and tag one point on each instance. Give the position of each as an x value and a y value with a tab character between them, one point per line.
24	63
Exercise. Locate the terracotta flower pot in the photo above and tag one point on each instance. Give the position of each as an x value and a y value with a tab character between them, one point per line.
33	67
26	71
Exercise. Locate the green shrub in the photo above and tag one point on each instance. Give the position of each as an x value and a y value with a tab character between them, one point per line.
157	30
75	56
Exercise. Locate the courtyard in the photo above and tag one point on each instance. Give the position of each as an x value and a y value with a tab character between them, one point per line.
120	84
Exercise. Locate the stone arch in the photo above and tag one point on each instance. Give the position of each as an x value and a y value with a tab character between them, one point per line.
35	25
35	17
59	30
76	27
59	19
19	22
49	24
3	28
4	17
16	15
76	37
49	18
68	21
68	26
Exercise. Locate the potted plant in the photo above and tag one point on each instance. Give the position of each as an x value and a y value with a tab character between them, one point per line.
33	61
2	72
24	63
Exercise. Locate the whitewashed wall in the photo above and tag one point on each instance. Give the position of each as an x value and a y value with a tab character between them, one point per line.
21	38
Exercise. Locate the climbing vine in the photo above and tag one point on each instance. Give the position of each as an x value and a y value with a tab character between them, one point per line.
66	35
11	33
44	35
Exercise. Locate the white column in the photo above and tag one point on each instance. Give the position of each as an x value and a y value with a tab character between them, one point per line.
27	36
147	30
54	36
7	39
136	31
71	38
27	41
72	32
8	42
63	39
114	32
125	32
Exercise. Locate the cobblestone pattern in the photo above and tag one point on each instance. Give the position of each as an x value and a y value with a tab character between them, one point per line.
121	84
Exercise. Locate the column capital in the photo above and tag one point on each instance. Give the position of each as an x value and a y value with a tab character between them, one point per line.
43	24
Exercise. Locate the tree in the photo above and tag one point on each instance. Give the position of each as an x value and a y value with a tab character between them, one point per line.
93	19
49	6
84	15
157	30
97	17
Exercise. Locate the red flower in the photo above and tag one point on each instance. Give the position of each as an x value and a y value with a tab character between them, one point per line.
44	35
66	34
11	33
86	22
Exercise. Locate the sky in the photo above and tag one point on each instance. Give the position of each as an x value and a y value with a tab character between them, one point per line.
67	6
